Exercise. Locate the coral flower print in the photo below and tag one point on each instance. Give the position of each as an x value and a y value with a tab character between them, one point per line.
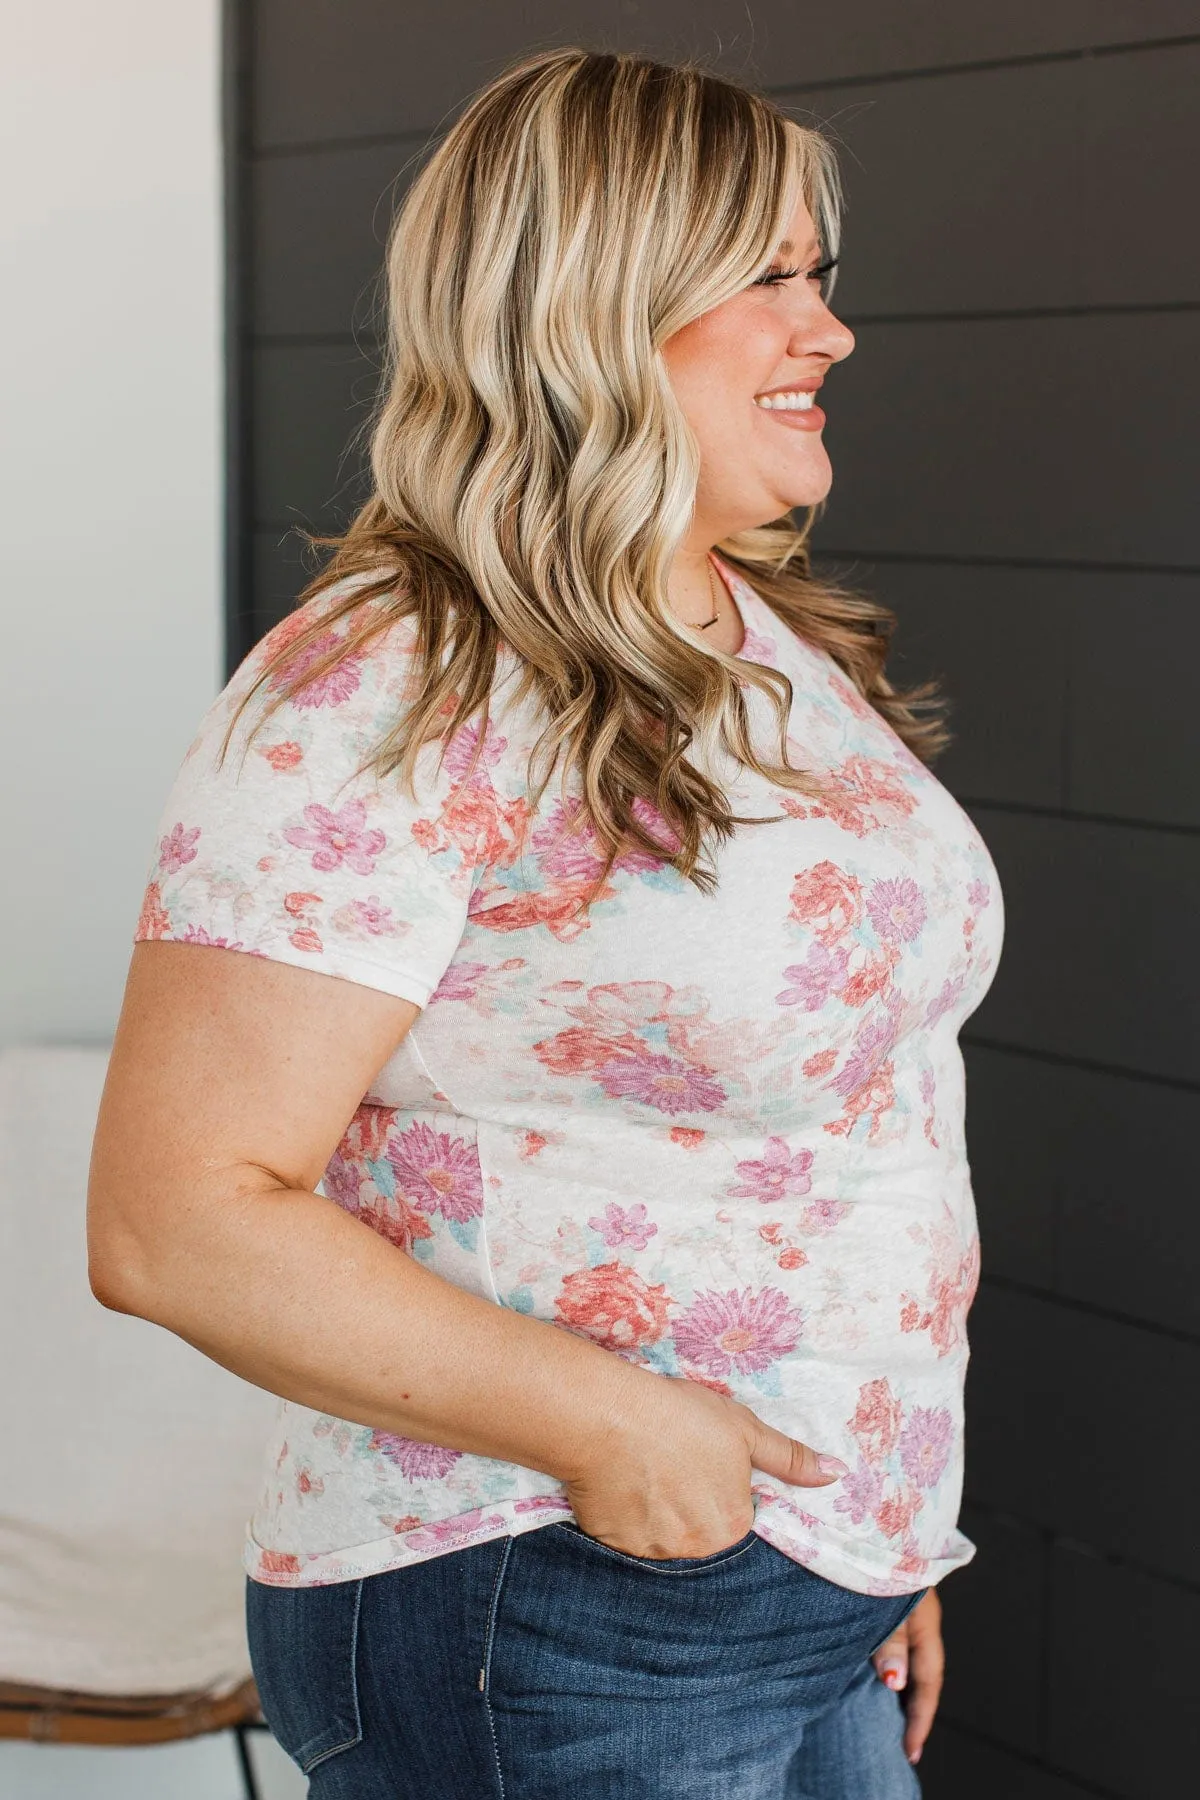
438	1173
778	1175
661	1082
897	910
612	1304
338	837
624	1226
153	921
177	848
414	1459
738	1330
925	1445
827	899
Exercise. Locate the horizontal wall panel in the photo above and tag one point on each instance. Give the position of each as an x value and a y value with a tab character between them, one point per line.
1085	1184
958	1766
1068	687
940	174
1135	724
1098	959
1014	1132
1086	1426
1117	1631
1056	439
320	223
998	641
361	67
308	403
993	1612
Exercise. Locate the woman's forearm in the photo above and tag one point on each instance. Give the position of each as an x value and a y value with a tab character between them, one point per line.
291	1293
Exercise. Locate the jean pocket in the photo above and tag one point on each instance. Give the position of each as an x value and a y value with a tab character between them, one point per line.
662	1565
304	1652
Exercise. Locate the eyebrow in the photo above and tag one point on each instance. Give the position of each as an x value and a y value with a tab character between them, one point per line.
813	250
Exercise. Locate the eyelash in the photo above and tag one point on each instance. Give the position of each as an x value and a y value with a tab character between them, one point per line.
774	276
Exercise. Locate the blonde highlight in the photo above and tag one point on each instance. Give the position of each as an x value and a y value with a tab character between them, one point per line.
533	474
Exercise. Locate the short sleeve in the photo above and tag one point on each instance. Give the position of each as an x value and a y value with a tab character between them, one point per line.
288	849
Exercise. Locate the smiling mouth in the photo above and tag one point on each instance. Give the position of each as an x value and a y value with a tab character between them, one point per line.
785	402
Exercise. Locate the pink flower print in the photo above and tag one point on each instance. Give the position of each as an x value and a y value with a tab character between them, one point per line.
331	688
925	1444
449	1534
460	982
196	934
979	895
897	909
738	1330
946	999
437	1172
369	915
870	1050
462	747
756	648
566	848
543	1503
338	837
860	1493
822	973
177	848
779	1175
661	1082
624	1225
415	1460
823	1215
341	1181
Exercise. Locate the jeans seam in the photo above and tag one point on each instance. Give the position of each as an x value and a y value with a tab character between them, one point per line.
347	1743
489	1641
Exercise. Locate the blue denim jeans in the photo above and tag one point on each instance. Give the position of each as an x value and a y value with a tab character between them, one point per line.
548	1666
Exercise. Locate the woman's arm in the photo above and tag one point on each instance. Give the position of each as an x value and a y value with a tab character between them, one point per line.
232	1080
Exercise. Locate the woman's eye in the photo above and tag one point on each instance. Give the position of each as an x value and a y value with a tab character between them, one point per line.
774	276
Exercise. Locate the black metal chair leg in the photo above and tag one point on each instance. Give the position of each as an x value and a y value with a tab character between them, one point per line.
249	1780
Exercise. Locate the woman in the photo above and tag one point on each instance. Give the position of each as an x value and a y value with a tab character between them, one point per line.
621	1454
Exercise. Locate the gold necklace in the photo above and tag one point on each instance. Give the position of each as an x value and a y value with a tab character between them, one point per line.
703	624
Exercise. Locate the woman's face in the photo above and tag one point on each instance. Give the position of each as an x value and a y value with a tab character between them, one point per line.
776	342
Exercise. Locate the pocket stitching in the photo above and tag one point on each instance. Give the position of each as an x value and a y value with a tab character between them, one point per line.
347	1743
668	1565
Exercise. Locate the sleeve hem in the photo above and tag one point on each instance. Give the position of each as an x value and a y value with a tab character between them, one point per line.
361	969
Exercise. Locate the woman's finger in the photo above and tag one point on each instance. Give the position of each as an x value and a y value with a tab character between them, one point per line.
891	1659
926	1665
788	1459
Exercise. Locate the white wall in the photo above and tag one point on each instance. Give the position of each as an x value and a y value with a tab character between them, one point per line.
110	401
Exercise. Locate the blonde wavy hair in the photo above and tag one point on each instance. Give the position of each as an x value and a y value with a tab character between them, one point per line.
533	473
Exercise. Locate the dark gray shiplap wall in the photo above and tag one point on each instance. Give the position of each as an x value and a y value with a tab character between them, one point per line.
1015	447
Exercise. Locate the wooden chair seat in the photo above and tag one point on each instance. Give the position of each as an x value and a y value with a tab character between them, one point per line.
65	1716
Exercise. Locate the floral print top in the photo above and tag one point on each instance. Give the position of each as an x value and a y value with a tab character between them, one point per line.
721	1135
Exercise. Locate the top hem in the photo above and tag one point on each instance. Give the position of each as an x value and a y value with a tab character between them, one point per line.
821	1551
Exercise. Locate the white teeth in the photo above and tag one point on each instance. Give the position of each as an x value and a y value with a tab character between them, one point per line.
785	402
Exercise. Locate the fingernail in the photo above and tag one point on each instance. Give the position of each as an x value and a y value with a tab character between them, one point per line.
832	1465
915	1757
893	1674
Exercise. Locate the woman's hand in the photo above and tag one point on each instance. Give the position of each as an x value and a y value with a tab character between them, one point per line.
913	1658
675	1479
